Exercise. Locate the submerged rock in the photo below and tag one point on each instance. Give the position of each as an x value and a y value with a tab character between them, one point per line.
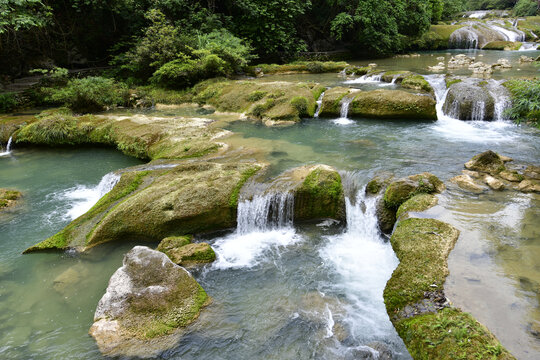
8	198
466	182
147	303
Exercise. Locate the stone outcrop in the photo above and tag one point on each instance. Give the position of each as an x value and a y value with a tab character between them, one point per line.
183	252
8	198
393	104
149	300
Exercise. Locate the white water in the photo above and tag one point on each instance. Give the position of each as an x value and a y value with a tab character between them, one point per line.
319	105
81	198
363	262
8	147
473	35
528	46
265	223
343	119
470	131
365	79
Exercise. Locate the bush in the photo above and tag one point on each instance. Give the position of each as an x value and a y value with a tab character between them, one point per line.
525	101
9	102
91	94
300	103
526	8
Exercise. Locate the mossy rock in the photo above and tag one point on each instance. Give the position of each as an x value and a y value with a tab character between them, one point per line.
320	195
502	45
487	162
393	104
192	254
449	334
331	101
466	95
269	101
389	76
173	242
300	67
416	82
148	302
138	135
417	203
190	198
451	81
378	183
403	189
437	38
422	247
8	198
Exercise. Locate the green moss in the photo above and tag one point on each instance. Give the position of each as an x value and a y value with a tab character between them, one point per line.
417	203
320	196
422	247
173	242
502	45
450	82
301	104
246	175
416	82
393	104
313	67
449	334
257	95
8	197
437	37
403	189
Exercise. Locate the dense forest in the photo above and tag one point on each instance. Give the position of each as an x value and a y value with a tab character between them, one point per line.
141	36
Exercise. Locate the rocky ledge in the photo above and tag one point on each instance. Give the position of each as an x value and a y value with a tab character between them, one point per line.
148	302
414	296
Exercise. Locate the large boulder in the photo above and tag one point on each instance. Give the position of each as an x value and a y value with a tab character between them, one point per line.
331	101
188	198
393	104
147	303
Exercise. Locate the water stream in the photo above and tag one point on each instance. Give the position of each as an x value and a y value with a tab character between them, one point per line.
8	148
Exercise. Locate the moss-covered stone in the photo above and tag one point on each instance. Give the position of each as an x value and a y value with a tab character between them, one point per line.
438	37
449	334
503	45
393	104
403	189
487	162
145	318
138	135
274	101
320	195
396	75
299	67
173	242
451	81
437	332
378	183
417	203
331	101
191	254
8	198
416	82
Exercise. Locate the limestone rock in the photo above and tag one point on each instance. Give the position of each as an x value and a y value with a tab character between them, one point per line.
528	186
147	303
502	64
525	59
393	104
532	172
378	183
487	162
467	183
511	176
494	183
401	190
188	254
8	198
331	101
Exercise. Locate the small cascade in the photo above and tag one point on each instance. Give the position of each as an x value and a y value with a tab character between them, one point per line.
528	46
8	147
265	213
366	79
82	198
344	112
478	111
363	262
319	105
393	82
464	38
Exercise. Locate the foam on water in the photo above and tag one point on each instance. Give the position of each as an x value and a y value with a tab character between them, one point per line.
364	262
81	198
8	148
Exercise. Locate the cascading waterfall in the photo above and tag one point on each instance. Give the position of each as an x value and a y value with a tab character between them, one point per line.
363	262
343	119
265	213
265	222
366	79
481	131
82	198
319	105
479	111
475	34
8	147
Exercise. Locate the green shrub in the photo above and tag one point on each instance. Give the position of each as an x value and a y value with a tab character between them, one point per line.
525	100
9	101
526	8
91	94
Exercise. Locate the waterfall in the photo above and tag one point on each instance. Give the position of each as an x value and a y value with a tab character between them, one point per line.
528	46
366	79
8	147
478	111
265	213
265	225
343	119
363	262
82	198
319	105
464	38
